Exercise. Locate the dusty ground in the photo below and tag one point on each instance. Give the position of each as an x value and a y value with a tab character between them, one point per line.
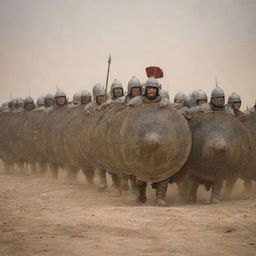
42	216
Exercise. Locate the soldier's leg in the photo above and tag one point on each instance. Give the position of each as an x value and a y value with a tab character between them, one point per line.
33	167
89	175
229	186
42	166
21	167
116	188
248	186
125	182
54	168
215	194
183	187
102	175
8	166
72	172
161	189
134	189
142	187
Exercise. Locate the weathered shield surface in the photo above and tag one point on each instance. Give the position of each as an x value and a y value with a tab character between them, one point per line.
154	142
250	171
220	146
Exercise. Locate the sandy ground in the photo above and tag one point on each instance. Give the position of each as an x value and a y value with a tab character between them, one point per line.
43	216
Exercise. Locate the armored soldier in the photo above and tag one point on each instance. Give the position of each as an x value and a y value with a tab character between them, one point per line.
5	107
151	95
11	105
76	98
40	103
86	97
217	103
49	100
19	105
29	104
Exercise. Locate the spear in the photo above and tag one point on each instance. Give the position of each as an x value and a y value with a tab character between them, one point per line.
106	86
216	82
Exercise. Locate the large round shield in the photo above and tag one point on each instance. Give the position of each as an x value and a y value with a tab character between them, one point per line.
220	146
155	142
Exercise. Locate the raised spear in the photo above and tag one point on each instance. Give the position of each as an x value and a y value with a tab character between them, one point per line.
106	86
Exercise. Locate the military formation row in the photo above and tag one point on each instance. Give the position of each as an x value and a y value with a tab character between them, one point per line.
139	137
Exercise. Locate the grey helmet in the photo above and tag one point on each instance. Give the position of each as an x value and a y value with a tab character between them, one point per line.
164	94
97	90
59	94
201	95
86	93
5	107
40	101
152	82
20	102
77	98
192	99
134	82
28	100
233	98
11	104
216	93
181	96
114	85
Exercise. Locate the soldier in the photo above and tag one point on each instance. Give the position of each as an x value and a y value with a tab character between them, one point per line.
19	105
61	99
11	105
151	95
86	97
116	90
217	103
98	97
234	102
49	100
76	98
40	103
5	107
181	104
29	104
164	94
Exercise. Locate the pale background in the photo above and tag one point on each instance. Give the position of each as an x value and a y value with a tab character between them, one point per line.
66	43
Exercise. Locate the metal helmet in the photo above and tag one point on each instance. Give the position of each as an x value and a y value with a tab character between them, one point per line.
19	101
47	97
86	93
40	101
28	100
201	96
152	82
98	90
181	96
60	93
192	98
134	82
233	98
77	98
5	107
114	85
164	94
11	103
216	93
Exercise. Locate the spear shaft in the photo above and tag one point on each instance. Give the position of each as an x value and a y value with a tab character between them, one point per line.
106	86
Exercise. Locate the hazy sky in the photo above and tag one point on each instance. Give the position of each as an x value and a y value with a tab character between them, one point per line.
66	43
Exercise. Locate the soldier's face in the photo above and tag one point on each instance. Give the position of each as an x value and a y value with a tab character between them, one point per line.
100	99
135	91
179	101
151	91
118	92
237	105
201	102
61	100
29	106
49	102
85	100
220	101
